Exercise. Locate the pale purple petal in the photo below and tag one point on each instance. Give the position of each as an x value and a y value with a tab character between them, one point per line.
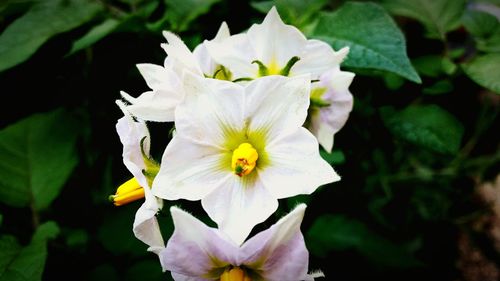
194	249
147	230
278	253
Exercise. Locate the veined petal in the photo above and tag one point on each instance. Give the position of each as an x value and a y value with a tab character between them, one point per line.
318	57
236	53
279	253
189	170
329	120
180	55
195	250
211	110
277	104
238	205
275	41
146	228
296	166
207	64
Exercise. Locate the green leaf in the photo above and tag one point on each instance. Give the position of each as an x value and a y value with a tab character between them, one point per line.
296	12
485	70
479	24
428	126
1	219
336	232
180	13
374	39
335	158
19	263
438	16
26	34
95	34
37	156
438	88
490	44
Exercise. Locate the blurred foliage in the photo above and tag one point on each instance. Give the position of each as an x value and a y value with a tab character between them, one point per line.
422	135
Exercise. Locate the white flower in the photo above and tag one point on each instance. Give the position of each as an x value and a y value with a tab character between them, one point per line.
165	81
274	48
240	148
197	252
135	138
331	103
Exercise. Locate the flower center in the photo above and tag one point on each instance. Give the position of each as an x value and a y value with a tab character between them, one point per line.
234	274
128	192
244	159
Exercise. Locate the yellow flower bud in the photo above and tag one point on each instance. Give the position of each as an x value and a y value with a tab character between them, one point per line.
129	191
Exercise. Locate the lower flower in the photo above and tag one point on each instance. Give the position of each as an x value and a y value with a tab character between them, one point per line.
198	252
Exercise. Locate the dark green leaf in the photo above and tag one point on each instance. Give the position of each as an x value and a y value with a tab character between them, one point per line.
335	158
485	70
438	16
295	12
479	24
45	19
428	126
116	233
150	268
180	13
26	263
95	34
37	155
438	88
374	39
490	44
336	232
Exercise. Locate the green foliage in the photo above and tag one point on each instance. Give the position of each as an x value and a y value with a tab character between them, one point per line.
38	155
336	232
18	263
180	13
337	157
479	24
44	20
428	126
374	39
485	70
438	16
95	34
297	12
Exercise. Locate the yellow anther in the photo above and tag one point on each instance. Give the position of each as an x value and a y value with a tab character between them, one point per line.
234	274
128	192
244	159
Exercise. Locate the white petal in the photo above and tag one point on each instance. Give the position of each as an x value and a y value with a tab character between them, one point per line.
274	40
277	104
131	133
147	230
195	249
296	166
211	109
238	205
279	252
189	170
331	119
156	106
206	62
318	57
235	53
180	54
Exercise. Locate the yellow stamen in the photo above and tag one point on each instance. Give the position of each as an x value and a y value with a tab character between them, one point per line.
129	191
244	159
234	274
